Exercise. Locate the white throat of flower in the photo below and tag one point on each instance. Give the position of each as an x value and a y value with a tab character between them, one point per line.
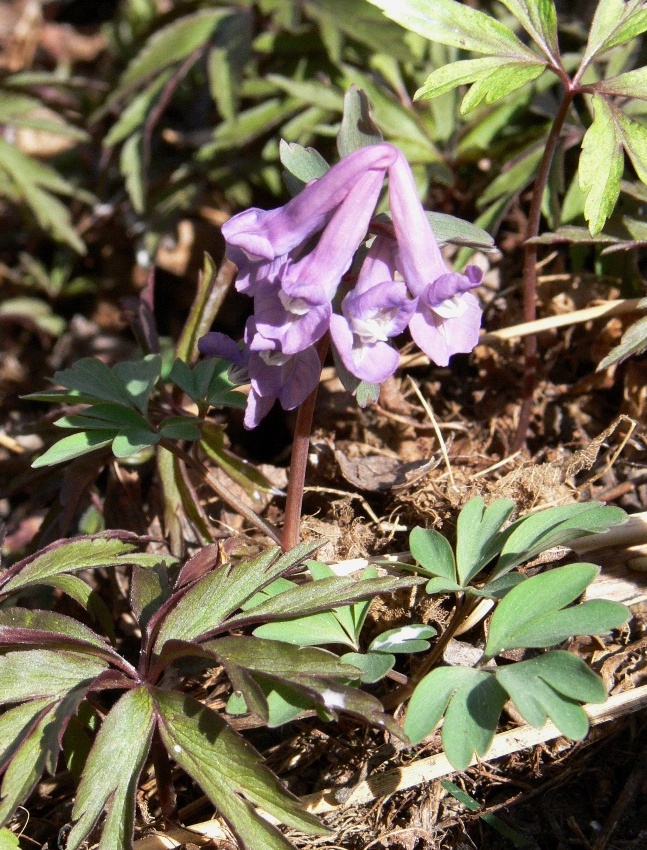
296	306
450	307
374	327
274	358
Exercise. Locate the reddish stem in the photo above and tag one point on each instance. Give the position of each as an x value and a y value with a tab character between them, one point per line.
299	461
530	270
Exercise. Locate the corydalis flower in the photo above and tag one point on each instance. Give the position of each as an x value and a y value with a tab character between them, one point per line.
448	317
273	375
378	308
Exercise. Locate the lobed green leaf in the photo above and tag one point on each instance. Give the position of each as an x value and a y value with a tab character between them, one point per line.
601	165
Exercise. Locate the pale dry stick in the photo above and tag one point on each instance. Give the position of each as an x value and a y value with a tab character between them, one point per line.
413	774
439	436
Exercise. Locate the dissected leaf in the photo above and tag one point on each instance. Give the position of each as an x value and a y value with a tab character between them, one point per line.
74	446
40	673
601	165
532	534
477	535
496	84
457	25
634	141
215	597
81	553
532	615
614	22
230	772
552	686
22	625
471	701
112	771
539	19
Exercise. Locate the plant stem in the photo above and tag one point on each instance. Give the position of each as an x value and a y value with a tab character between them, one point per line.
299	461
530	270
227	497
164	778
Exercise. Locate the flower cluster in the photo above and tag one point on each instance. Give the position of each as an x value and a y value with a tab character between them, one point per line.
291	261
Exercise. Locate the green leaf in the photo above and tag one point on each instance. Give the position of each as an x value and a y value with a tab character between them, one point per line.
74	446
551	686
139	378
40	673
37	622
433	552
301	165
539	19
38	751
242	471
213	285
131	168
451	230
131	440
179	428
531	614
601	165
634	341
170	45
630	84
315	630
68	556
471	701
277	659
515	176
9	840
532	534
215	597
90	376
102	416
135	113
634	141
374	665
230	772
500	82
357	129
457	25
459	73
16	723
122	745
477	535
614	23
403	639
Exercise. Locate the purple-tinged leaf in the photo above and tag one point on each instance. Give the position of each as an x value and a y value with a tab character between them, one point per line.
23	626
230	772
199	565
80	553
89	599
112	771
208	603
16	723
38	752
36	673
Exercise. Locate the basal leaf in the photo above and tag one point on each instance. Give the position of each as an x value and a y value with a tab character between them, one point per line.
477	535
92	377
601	165
552	686
81	553
457	25
403	639
315	630
17	624
230	772
471	701
433	552
38	751
530	614
112	771
41	673
278	659
374	665
215	597
16	723
74	446
532	534
102	416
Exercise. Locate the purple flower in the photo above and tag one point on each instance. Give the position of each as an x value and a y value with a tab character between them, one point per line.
272	374
260	241
448	316
375	310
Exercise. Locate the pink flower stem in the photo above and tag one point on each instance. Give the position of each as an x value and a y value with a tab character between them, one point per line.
299	461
